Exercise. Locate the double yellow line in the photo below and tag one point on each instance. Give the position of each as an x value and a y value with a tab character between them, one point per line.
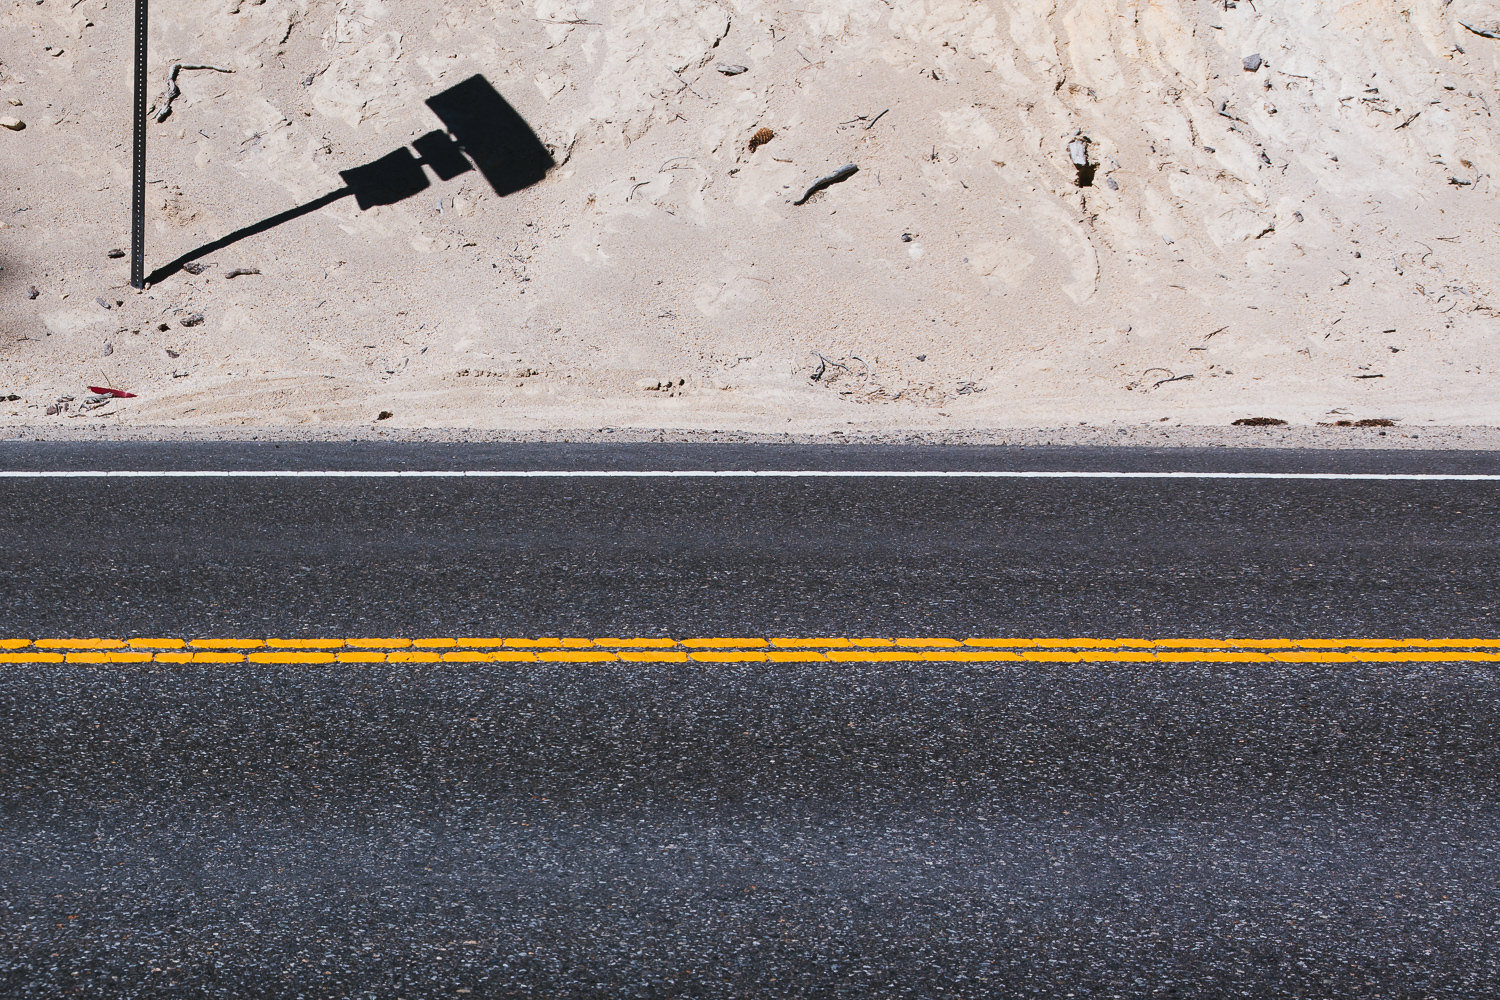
746	650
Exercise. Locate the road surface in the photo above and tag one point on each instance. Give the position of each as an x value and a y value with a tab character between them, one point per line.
1080	738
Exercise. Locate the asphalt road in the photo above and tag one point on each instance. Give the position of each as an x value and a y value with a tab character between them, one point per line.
765	830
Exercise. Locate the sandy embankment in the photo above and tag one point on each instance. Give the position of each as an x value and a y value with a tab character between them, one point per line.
1312	240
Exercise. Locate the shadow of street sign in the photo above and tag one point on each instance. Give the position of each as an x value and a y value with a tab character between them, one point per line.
482	131
494	136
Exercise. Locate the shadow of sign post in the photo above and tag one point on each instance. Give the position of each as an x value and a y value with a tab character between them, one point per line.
481	131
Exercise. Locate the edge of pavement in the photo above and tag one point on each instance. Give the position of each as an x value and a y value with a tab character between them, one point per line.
1291	437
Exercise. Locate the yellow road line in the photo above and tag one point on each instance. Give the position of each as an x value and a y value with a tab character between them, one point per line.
780	649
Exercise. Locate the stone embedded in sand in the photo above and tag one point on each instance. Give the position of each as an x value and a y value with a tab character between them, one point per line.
1078	152
14	124
196	319
729	69
1253	63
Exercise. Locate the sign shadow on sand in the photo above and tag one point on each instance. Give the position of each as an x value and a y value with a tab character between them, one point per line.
482	131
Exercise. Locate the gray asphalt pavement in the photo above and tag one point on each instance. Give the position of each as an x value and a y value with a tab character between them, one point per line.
750	830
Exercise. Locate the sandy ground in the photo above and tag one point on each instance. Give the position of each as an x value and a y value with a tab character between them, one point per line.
1312	240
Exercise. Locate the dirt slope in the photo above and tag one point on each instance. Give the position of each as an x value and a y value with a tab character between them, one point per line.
1311	238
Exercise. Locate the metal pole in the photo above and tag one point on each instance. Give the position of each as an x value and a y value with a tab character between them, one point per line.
138	193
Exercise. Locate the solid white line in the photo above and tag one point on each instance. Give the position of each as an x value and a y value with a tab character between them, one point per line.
724	474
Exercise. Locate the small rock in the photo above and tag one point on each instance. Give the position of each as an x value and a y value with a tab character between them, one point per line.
1253	63
907	237
385	415
99	299
14	124
12	398
1113	184
921	357
108	349
730	69
163	327
53	409
173	354
33	292
115	254
241	272
14	102
194	267
196	319
1078	152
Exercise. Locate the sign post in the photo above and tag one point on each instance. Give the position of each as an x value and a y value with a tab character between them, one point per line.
138	176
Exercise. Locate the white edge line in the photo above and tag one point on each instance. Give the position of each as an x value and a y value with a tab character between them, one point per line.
720	474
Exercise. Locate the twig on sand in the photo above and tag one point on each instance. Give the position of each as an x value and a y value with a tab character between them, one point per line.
824	364
172	93
843	173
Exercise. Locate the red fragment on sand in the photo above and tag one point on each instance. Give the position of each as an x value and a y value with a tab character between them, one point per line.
117	393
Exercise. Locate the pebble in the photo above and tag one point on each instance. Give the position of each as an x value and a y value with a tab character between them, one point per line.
115	254
1253	63
385	415
14	102
100	299
14	124
108	349
196	319
33	292
729	69
194	267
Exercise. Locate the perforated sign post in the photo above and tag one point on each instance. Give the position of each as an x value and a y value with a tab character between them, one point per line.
138	153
